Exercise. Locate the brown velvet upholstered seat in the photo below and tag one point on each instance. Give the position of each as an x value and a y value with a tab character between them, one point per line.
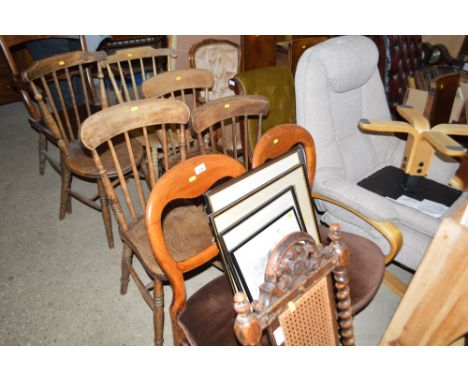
208	317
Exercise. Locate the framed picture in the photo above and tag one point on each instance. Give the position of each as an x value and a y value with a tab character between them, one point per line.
294	177
246	245
235	189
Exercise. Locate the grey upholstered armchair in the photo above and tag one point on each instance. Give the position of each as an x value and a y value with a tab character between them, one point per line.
337	84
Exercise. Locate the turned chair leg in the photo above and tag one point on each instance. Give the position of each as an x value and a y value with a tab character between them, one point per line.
126	264
42	149
106	214
158	312
64	196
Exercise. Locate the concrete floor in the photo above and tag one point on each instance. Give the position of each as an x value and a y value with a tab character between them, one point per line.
59	281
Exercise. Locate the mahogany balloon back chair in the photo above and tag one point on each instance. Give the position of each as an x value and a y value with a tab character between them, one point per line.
189	180
366	264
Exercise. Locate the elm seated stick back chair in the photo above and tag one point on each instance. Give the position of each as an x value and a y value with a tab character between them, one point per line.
177	84
219	123
64	122
222	58
337	84
17	51
182	221
189	180
126	69
304	300
367	263
277	84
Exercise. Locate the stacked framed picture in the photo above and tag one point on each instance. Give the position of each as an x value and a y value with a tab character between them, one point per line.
251	214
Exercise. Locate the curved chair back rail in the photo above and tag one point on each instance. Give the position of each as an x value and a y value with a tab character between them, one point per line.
126	69
228	116
187	180
281	139
177	80
121	118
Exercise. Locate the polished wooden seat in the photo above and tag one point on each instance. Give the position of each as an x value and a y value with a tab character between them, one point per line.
60	86
129	204
220	124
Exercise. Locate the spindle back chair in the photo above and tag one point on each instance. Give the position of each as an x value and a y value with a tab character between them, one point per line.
19	58
126	69
178	84
112	127
60	86
219	124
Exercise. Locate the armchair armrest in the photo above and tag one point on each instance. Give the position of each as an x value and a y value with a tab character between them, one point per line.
391	233
386	126
414	117
444	144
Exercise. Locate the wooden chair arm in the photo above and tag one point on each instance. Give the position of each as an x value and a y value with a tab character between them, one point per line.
444	144
391	233
414	117
451	129
386	126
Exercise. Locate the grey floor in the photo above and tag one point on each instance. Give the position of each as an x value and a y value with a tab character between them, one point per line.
59	282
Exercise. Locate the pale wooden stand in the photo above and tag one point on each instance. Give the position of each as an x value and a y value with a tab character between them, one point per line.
434	310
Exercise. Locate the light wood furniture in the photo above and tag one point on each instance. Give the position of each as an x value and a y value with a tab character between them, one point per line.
187	180
305	299
126	69
220	126
17	59
61	88
183	85
112	127
364	281
434	309
423	141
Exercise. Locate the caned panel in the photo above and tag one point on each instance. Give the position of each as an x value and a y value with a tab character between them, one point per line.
310	321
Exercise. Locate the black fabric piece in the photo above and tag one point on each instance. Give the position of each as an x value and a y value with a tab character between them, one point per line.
393	182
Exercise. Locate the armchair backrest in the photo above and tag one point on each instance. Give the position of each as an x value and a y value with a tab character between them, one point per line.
337	83
222	57
277	84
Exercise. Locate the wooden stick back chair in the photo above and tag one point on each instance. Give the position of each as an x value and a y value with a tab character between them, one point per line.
19	58
220	124
129	202
127	69
183	85
60	86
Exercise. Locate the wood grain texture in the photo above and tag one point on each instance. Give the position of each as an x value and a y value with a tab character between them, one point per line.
129	116
434	309
176	80
183	182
